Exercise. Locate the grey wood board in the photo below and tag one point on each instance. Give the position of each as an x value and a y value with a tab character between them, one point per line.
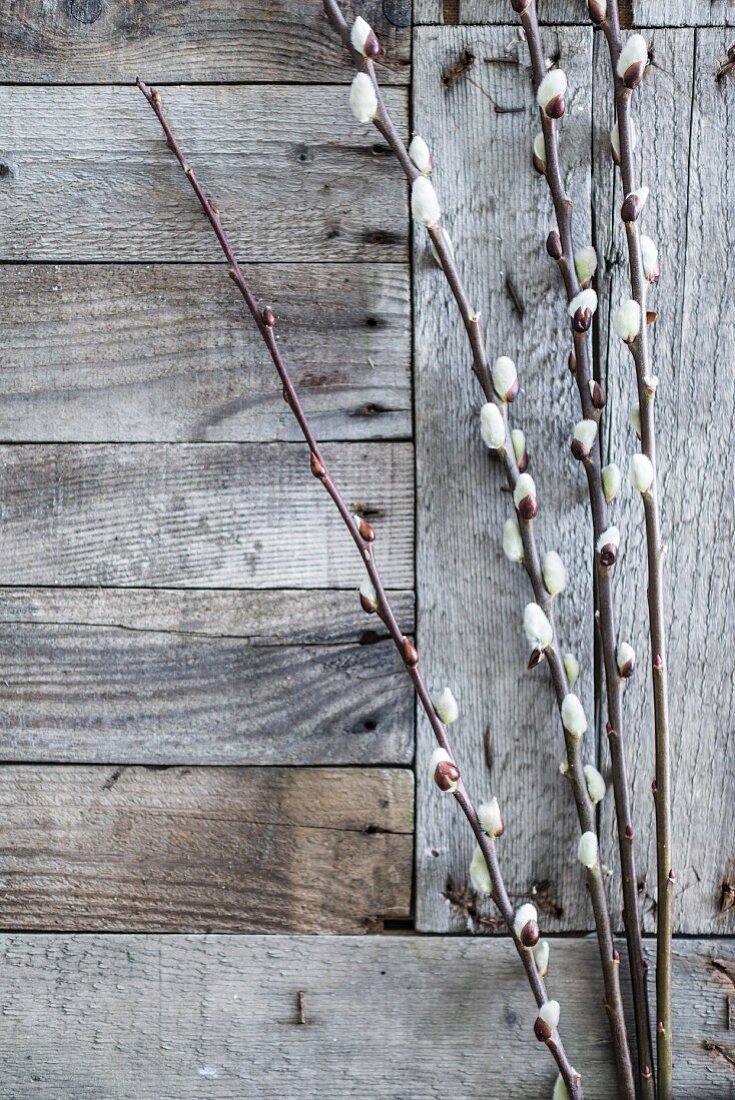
87	175
633	13
177	677
203	849
86	41
211	515
470	598
122	1017
685	120
166	352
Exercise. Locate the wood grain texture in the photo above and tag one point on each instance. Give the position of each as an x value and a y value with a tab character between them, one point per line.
471	599
633	13
87	175
88	41
199	515
166	353
217	1016
683	117
202	849
172	677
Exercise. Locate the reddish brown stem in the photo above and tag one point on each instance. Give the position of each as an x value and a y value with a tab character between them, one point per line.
363	537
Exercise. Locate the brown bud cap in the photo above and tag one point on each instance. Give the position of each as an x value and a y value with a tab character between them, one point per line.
626	669
541	1030
523	463
317	467
616	955
519	5
366	529
671	876
371	48
410	653
579	449
599	395
539	165
269	317
530	934
634	74
629	832
658	662
630	211
213	206
582	320
446	775
650	314
553	245
528	508
647	1073
597	11
155	95
369	606
572	362
556	107
537	656
654	787
609	554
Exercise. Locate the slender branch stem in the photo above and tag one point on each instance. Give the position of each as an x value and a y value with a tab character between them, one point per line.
563	209
585	809
654	551
363	537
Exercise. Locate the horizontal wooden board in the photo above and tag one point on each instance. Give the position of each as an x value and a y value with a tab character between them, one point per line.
633	13
220	1016
86	175
199	515
87	41
136	676
201	849
166	352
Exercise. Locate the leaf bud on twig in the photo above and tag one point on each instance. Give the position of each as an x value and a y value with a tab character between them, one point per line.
571	668
525	925
317	467
597	10
553	245
641	473
541	957
649	256
491	818
505	378
630	211
587	850
524	497
518	441
615	140
446	707
581	309
595	783
479	874
583	440
633	60
367	531
419	153
443	771
607	546
551	92
547	1021
539	154
627	321
555	573
572	363
512	541
610	481
368	596
410	653
564	768
424	203
537	627
598	393
585	264
625	657
269	317
363	98
561	1092
492	426
364	39
573	716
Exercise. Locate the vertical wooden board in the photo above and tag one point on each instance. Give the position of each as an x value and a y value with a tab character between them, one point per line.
492	12
685	120
470	598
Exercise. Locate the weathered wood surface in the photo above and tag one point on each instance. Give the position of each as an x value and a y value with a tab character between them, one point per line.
683	116
202	849
633	13
172	677
199	515
166	352
218	1016
88	41
296	176
470	597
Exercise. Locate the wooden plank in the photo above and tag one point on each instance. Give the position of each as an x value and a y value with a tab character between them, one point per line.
199	515
86	41
218	1016
689	215
683	13
498	214
172	677
165	352
201	849
633	13
87	176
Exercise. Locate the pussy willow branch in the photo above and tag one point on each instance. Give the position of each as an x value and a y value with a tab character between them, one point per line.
363	536
585	812
646	384
614	682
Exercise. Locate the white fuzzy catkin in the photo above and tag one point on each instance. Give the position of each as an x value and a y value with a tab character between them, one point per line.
634	52
595	783
649	255
585	263
553	85
518	440
541	957
419	153
537	627
363	98
585	433
360	35
587	850
526	913
539	149
627	321
586	299
446	707
609	537
490	817
512	541
571	667
572	715
479	874
492	426
641	473
440	756
555	573
625	657
525	487
550	1012
368	593
424	203
610	481
615	138
505	377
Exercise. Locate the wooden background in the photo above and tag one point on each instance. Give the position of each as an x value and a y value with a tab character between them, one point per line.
203	738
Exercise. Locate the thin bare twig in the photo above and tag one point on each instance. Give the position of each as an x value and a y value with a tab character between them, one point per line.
363	536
